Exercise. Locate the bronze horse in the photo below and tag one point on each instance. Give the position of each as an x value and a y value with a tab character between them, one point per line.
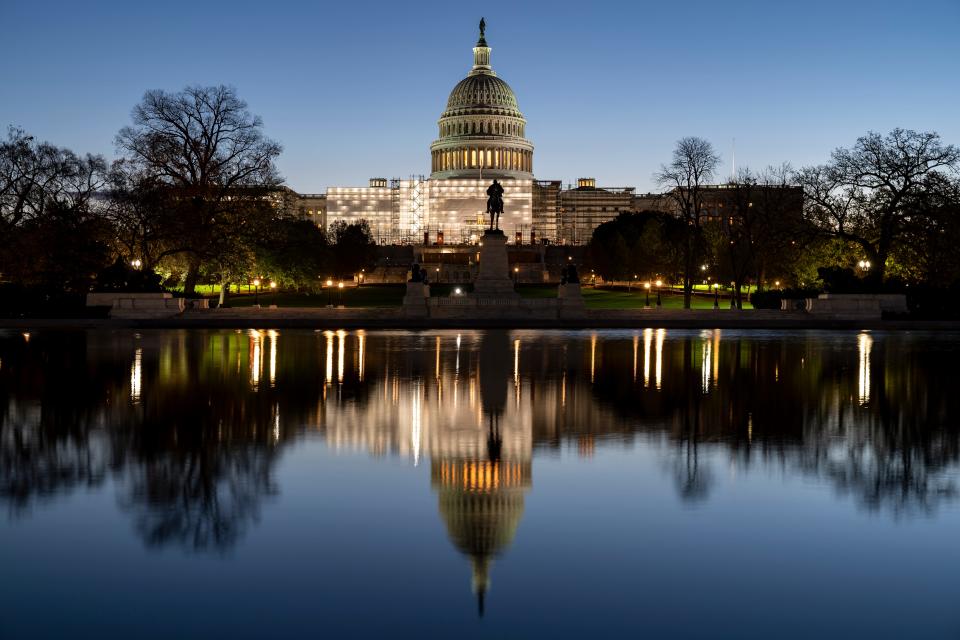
495	204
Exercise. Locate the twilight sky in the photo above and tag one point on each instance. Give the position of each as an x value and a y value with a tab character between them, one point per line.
353	90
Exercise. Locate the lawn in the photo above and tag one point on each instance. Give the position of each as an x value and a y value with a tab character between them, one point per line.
365	296
633	299
392	295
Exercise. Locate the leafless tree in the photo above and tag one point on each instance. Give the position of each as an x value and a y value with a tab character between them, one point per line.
693	166
206	146
36	178
864	194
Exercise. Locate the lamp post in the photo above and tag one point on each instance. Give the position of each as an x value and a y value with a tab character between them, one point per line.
273	288
516	276
659	284
329	292
340	294
646	286
716	295
733	295
256	292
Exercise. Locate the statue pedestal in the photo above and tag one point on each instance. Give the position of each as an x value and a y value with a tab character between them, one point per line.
416	300
493	279
570	299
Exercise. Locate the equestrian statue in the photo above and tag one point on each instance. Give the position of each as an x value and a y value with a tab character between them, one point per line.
495	204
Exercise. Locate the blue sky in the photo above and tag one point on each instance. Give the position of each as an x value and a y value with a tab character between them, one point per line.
353	90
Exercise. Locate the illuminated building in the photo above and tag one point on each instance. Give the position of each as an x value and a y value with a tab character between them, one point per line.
482	136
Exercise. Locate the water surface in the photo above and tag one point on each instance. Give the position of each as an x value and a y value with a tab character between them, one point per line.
479	484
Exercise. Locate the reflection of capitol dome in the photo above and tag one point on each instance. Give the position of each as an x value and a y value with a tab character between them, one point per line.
481	503
482	130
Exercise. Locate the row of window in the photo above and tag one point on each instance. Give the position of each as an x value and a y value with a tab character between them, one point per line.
483	127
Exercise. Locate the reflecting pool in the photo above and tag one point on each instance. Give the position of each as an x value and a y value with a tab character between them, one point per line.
479	484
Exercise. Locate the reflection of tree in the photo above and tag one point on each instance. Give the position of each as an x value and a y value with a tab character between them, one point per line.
50	440
795	401
195	450
199	499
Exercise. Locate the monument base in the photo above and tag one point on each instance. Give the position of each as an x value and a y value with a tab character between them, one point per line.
493	278
416	299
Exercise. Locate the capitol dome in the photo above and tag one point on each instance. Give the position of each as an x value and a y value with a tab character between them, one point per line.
481	132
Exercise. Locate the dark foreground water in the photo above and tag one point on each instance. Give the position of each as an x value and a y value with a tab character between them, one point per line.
500	484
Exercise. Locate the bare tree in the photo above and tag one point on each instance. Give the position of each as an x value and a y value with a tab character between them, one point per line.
206	146
693	166
36	178
864	194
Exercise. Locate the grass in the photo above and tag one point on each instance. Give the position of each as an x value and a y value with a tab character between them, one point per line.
366	296
392	295
633	299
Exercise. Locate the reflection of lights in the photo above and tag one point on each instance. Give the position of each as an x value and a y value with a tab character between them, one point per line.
256	357
706	362
361	352
329	372
658	370
864	345
716	356
457	364
135	373
415	419
593	354
341	338
516	368
26	336
273	357
436	366
636	342
647	341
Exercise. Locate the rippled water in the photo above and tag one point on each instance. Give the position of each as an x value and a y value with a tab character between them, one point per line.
479	484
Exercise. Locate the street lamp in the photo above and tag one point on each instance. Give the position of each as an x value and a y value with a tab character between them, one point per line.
340	294
716	295
646	286
256	292
659	284
733	301
135	263
516	275
329	292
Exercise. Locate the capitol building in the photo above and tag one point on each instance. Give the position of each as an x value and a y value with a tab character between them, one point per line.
481	136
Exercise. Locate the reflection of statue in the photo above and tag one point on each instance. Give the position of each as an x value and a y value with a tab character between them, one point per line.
495	204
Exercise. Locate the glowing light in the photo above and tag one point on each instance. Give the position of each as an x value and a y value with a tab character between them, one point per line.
256	282
273	285
341	338
659	283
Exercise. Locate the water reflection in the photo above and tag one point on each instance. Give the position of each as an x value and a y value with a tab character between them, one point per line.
190	425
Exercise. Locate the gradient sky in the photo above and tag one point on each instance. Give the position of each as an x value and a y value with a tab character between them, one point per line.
353	90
